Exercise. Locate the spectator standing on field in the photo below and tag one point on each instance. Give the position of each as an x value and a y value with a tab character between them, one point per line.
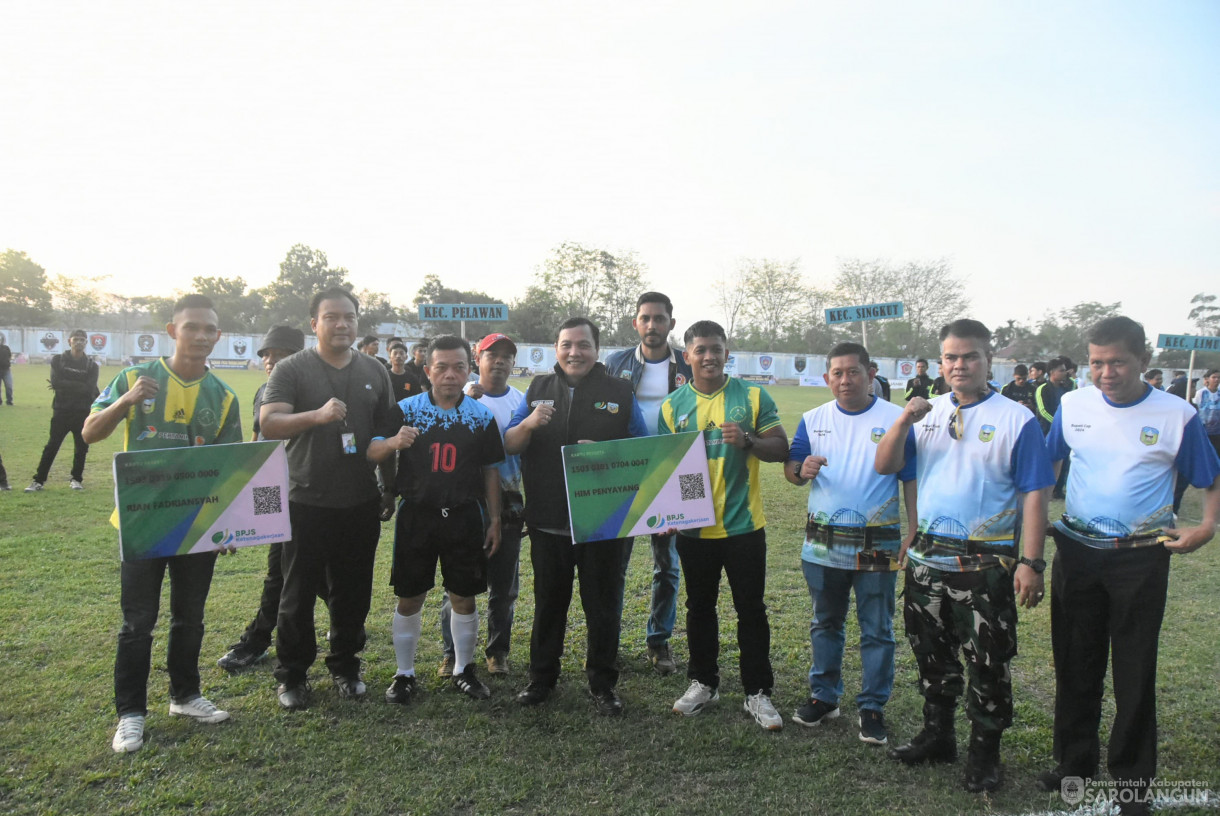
74	381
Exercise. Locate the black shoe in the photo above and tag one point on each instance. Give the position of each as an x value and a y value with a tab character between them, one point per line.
608	703
240	657
469	684
937	742
293	696
1052	781
983	772
813	712
350	687
872	727
535	693
401	690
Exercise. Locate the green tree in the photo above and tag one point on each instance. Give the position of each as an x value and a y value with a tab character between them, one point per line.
931	295
776	305
25	299
576	280
77	300
303	272
1066	332
1205	314
239	309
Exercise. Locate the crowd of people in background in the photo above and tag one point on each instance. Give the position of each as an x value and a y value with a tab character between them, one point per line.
434	437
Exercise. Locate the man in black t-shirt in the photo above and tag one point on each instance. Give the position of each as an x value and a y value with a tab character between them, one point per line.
1020	390
329	402
448	449
921	384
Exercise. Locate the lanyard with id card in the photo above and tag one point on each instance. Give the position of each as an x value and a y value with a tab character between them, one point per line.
347	438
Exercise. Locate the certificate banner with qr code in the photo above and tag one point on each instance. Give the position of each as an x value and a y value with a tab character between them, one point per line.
630	487
175	501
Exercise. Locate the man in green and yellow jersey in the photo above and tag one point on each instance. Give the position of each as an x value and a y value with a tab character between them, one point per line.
741	428
173	402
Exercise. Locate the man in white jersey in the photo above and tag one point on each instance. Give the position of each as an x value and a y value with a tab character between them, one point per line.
981	466
496	354
655	370
1126	441
853	539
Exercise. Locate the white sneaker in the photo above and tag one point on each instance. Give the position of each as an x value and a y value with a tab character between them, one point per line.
764	713
696	698
201	709
34	487
76	485
129	736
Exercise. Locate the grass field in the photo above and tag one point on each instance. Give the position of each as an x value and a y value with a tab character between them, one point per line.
447	754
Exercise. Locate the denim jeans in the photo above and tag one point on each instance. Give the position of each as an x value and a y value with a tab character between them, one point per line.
503	583
743	560
663	608
830	590
190	578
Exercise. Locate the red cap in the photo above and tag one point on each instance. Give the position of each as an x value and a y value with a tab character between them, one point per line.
491	339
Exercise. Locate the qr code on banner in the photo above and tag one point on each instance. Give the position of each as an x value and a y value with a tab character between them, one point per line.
267	501
691	485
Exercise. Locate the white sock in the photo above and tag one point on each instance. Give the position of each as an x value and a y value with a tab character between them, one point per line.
465	632
406	638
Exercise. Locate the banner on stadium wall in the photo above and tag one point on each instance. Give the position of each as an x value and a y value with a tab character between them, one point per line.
98	344
814	380
630	487
241	348
176	501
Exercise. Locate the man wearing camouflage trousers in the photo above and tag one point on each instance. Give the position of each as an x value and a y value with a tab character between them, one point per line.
980	460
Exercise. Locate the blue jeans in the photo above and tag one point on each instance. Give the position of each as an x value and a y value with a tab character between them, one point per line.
663	609
830	589
190	578
503	583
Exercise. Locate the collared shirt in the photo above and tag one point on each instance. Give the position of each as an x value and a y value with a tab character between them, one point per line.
733	472
1124	457
848	492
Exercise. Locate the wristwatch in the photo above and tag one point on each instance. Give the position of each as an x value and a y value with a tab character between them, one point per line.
1037	564
749	440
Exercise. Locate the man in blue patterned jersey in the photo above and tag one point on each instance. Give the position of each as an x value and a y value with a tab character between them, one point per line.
496	354
981	465
852	539
1126	441
741	428
166	403
448	448
655	371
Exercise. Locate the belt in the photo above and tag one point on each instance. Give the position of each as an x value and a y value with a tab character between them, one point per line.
932	544
1120	542
854	537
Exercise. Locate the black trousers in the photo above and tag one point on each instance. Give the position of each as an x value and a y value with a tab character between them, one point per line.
331	556
1106	603
62	424
743	561
258	634
557	561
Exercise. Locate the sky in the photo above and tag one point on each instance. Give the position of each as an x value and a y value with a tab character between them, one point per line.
1054	152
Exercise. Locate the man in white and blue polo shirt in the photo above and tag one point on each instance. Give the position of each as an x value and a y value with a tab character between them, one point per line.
1126	441
852	539
981	466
